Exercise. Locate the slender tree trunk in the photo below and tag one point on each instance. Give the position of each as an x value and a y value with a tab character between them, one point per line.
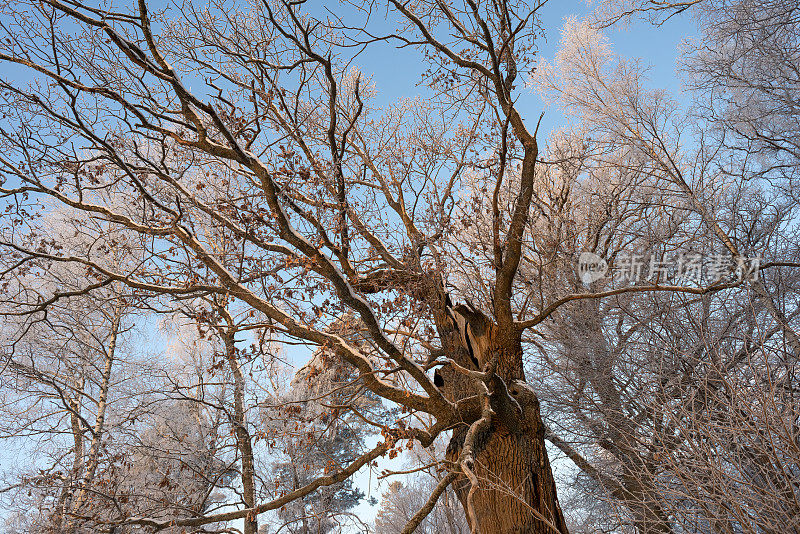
90	461
452	525
93	457
65	500
243	440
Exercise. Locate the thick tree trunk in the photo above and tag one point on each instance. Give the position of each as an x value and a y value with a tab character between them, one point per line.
515	490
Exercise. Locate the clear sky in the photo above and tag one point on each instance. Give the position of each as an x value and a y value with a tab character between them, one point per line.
395	72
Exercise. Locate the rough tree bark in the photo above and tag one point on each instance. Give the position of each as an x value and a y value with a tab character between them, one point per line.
515	489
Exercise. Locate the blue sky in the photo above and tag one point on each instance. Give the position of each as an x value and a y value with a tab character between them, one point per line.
395	72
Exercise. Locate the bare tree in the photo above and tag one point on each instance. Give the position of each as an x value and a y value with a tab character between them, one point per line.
642	376
400	502
77	399
261	193
310	174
